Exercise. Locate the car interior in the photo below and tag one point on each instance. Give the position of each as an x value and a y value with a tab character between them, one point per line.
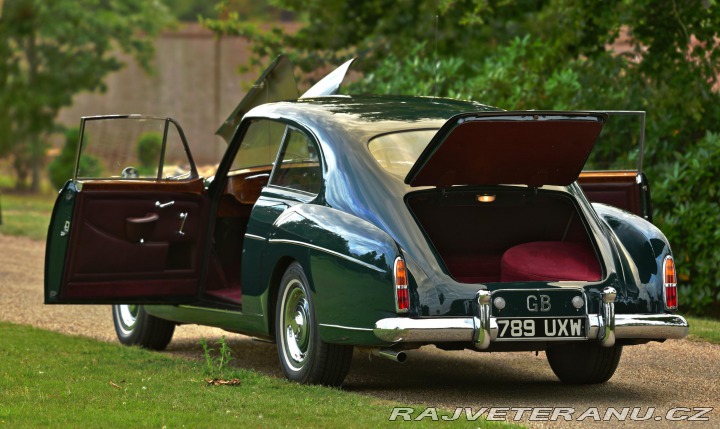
299	169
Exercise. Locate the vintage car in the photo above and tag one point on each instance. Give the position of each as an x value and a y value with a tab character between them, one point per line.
381	222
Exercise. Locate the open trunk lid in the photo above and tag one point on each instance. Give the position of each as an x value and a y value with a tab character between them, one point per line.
533	148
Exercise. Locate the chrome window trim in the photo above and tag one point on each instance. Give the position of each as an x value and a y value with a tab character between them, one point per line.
254	237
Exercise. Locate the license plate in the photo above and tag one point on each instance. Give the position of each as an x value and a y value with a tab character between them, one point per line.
550	327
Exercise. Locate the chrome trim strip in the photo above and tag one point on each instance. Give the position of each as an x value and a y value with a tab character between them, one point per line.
351	328
463	329
328	251
254	237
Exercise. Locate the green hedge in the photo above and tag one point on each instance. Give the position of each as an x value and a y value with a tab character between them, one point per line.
686	196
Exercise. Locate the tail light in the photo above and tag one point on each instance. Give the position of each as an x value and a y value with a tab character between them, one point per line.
402	296
670	284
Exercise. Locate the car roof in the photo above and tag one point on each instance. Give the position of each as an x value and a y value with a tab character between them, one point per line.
354	182
361	117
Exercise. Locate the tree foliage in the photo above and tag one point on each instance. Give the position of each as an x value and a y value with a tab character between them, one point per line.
561	47
686	200
62	168
149	146
52	50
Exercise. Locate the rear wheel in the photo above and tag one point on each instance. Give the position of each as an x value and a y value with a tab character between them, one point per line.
584	363
134	327
304	357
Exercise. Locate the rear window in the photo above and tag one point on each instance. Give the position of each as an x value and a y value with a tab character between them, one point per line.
397	152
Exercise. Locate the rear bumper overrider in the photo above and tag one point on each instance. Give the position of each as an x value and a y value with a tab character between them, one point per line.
482	329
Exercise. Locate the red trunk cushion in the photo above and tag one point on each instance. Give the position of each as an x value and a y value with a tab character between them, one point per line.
550	260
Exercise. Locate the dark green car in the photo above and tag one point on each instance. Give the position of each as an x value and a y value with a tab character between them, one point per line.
384	222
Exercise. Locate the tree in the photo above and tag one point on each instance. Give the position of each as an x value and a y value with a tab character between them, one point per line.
62	168
149	146
669	69
50	51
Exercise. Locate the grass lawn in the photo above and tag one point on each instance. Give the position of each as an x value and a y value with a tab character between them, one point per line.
49	379
704	329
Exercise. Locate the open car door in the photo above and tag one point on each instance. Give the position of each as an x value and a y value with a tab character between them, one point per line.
614	174
131	227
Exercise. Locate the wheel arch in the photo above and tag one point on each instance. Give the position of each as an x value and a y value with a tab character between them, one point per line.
348	263
276	276
644	248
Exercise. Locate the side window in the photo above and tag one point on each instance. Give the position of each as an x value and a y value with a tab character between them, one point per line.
299	166
132	148
260	145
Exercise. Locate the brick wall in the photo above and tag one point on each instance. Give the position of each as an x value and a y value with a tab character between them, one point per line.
195	82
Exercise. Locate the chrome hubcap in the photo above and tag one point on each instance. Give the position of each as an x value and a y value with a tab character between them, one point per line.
296	325
126	316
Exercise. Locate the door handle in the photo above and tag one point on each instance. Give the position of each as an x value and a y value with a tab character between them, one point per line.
160	205
183	217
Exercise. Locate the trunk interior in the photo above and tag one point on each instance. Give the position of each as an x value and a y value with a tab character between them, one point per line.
518	234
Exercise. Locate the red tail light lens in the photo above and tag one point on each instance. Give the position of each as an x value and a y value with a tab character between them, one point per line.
402	296
670	283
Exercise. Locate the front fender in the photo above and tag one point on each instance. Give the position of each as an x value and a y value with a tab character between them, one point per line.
348	262
642	249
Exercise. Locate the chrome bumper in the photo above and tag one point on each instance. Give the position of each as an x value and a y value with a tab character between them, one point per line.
482	329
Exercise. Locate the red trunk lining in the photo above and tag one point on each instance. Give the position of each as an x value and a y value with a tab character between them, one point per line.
471	237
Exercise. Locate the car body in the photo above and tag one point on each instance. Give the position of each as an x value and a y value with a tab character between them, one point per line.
382	222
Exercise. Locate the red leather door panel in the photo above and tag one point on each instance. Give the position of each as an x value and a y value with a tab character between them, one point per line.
136	242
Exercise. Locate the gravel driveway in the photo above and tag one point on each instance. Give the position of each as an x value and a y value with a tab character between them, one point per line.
680	375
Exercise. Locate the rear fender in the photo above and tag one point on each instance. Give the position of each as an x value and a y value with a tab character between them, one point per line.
643	248
348	262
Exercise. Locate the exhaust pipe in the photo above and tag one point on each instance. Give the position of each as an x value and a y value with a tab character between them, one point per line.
395	355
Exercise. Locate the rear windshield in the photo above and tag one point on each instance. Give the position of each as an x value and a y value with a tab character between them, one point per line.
397	152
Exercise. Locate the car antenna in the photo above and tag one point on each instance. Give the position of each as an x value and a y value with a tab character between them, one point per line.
435	58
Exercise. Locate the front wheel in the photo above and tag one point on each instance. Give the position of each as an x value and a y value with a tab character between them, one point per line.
134	327
304	357
584	363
